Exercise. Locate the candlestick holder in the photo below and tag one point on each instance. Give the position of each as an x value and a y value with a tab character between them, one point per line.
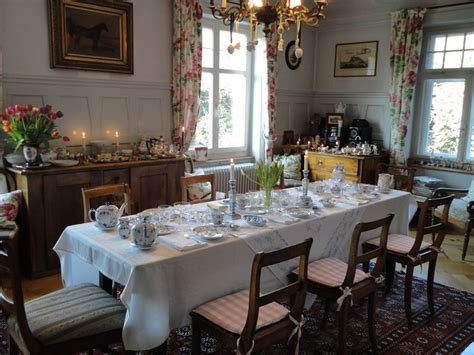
305	200
232	200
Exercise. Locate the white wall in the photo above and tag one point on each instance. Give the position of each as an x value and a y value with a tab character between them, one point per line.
92	102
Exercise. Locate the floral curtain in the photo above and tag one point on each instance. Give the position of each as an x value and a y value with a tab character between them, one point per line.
405	46
272	74
187	68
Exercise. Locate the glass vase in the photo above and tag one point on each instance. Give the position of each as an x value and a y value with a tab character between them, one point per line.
267	198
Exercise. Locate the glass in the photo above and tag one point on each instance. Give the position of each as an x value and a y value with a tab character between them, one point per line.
163	212
453	60
469	41
203	134
207	48
232	110
437	43
444	116
468	61
237	60
455	41
435	60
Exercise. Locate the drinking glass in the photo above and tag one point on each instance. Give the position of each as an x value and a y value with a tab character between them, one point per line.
164	213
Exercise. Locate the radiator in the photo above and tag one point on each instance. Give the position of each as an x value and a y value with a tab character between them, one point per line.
223	175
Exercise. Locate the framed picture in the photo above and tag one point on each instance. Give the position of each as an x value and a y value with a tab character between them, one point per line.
356	59
332	118
91	35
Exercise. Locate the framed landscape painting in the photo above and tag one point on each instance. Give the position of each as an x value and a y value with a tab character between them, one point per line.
356	59
91	35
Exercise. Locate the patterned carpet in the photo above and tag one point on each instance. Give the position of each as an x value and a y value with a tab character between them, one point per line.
449	331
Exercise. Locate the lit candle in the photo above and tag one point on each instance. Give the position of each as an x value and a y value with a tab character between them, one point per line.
84	142
232	169
306	160
117	139
182	137
309	144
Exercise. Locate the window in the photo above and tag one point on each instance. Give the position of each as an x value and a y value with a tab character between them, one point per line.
225	92
445	95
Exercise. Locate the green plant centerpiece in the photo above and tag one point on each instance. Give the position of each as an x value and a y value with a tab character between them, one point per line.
268	175
29	127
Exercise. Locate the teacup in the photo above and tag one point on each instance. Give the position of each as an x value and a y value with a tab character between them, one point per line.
217	217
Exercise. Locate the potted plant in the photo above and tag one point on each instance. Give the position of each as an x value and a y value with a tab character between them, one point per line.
29	127
268	175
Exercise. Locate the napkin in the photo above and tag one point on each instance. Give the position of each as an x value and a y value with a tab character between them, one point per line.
217	205
281	218
180	242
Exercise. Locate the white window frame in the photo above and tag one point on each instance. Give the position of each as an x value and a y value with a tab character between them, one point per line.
215	152
422	108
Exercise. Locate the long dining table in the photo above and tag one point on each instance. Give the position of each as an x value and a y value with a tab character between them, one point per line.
163	284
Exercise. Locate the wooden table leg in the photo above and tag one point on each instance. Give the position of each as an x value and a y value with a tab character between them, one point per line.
105	283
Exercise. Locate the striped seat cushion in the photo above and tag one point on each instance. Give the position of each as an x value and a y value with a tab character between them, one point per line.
230	312
70	313
331	272
398	243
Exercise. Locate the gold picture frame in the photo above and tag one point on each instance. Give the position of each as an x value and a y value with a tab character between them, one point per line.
91	35
356	59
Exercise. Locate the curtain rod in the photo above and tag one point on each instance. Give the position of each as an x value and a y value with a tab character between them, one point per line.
451	5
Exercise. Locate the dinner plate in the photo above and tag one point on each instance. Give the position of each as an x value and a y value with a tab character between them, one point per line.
210	232
64	162
164	229
300	212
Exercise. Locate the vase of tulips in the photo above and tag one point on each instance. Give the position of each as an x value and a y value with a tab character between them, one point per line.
31	127
268	175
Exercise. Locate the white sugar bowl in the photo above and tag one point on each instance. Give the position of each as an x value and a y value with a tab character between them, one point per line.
144	234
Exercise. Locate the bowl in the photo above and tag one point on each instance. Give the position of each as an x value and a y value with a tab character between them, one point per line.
15	158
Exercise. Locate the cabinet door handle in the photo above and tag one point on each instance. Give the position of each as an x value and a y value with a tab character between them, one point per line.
320	162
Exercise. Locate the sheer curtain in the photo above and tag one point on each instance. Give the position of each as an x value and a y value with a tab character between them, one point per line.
187	68
405	46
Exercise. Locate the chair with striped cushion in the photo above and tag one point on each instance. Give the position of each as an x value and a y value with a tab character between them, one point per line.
414	251
342	283
252	320
67	321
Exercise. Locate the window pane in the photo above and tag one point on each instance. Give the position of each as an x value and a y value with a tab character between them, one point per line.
207	48
468	59
232	107
453	59
444	116
469	41
435	60
455	41
203	134
237	60
437	43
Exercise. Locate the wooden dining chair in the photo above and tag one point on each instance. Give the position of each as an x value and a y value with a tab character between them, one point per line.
117	193
411	252
71	320
404	177
252	320
187	181
342	283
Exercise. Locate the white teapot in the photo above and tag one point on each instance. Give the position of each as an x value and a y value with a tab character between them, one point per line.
144	233
107	216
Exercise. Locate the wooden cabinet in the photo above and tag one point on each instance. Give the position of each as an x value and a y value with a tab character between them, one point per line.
357	168
53	201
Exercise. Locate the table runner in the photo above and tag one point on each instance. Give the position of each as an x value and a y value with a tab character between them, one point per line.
163	285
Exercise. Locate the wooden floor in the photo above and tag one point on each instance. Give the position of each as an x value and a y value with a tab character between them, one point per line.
450	270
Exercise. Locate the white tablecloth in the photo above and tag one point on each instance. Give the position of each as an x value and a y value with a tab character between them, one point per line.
163	285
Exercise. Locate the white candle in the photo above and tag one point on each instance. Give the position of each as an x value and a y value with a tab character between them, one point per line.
117	139
84	141
232	169
224	4
306	160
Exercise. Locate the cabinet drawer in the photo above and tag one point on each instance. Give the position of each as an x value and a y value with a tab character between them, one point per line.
321	163
116	176
323	175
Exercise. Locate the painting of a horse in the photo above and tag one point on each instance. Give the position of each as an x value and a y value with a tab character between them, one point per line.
77	32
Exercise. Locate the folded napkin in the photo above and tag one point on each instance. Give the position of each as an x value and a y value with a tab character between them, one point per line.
181	242
217	205
281	218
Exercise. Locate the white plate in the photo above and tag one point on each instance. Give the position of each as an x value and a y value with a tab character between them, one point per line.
256	210
164	229
300	212
141	247
210	232
65	162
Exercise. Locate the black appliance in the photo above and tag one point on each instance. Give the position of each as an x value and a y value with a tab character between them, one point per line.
360	132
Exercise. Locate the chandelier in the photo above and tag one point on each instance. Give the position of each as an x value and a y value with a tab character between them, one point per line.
265	13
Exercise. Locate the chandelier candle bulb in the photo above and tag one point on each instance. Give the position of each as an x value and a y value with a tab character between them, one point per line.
84	142
117	139
224	4
232	170
306	160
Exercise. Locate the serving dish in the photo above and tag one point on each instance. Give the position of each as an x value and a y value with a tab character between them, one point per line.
255	220
300	212
210	232
64	162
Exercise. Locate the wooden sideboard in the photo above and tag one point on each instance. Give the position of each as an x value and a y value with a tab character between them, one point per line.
53	201
357	168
